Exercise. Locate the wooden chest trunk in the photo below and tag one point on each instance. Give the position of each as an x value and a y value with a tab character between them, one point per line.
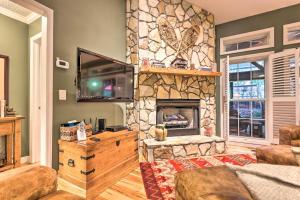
95	165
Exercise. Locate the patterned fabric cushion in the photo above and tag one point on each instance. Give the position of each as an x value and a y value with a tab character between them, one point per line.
270	182
296	143
213	183
276	154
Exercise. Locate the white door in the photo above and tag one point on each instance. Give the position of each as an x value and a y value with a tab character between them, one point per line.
35	99
284	91
244	100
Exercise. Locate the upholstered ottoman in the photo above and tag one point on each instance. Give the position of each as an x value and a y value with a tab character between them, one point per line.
214	183
32	183
276	154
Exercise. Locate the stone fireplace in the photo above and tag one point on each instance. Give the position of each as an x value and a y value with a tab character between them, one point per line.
155	89
162	30
180	116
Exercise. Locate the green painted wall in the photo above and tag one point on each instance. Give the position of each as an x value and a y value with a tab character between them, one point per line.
274	19
14	43
96	25
35	27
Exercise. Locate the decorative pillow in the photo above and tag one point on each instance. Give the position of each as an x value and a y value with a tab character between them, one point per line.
213	183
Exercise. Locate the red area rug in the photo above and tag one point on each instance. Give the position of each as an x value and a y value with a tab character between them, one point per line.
158	177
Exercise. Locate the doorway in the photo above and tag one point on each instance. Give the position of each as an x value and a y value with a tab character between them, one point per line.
41	85
35	99
247	100
245	86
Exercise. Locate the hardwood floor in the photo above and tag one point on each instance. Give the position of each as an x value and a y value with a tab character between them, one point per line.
128	188
131	187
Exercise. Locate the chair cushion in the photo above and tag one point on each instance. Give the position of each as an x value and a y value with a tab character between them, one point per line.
295	143
61	195
30	184
276	154
292	130
213	183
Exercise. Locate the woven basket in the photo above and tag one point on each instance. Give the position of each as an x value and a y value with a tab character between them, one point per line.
70	133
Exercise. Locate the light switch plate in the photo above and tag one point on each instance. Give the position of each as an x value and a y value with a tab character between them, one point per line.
62	95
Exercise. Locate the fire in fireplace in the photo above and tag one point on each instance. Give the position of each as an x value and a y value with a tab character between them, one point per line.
181	117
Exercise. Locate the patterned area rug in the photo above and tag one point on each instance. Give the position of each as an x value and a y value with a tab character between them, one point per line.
158	177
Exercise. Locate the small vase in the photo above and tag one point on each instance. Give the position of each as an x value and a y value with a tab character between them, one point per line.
161	133
208	131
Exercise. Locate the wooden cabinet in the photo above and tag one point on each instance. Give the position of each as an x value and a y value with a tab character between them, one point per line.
10	128
94	165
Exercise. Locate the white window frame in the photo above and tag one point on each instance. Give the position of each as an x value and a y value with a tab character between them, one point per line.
244	141
245	37
286	29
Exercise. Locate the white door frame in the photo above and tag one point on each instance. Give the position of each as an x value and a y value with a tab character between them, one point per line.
46	77
34	116
267	140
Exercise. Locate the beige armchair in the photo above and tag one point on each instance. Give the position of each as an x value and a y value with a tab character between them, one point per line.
289	135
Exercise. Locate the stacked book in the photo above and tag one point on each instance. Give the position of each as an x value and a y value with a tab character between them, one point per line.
206	68
10	112
180	63
158	64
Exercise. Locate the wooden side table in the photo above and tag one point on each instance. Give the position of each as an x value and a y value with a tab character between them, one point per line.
10	128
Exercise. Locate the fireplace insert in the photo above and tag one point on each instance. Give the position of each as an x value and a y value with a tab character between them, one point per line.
181	117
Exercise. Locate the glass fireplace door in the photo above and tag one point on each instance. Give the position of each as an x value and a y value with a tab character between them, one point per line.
247	100
180	117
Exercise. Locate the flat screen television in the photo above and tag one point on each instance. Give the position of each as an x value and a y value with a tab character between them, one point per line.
100	78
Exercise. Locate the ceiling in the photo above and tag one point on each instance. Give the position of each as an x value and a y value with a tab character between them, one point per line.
230	10
17	12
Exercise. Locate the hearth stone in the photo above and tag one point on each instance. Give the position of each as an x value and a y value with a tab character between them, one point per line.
183	147
220	146
192	149
178	151
205	149
163	153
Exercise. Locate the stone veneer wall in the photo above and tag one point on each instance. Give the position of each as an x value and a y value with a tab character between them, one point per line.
145	21
144	39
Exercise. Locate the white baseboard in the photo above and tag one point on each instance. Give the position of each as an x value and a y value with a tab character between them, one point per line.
25	160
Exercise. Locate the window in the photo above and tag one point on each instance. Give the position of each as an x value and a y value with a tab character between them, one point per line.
247	41
247	99
291	33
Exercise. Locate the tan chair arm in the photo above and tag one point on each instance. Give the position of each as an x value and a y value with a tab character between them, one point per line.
289	133
296	151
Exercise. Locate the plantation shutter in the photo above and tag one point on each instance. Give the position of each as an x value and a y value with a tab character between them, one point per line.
284	91
226	98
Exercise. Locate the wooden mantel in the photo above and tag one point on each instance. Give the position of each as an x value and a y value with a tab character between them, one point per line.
181	72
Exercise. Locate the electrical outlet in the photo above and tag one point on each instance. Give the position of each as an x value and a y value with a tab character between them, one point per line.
62	95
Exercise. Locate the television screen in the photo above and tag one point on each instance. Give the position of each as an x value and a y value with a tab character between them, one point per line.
103	79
